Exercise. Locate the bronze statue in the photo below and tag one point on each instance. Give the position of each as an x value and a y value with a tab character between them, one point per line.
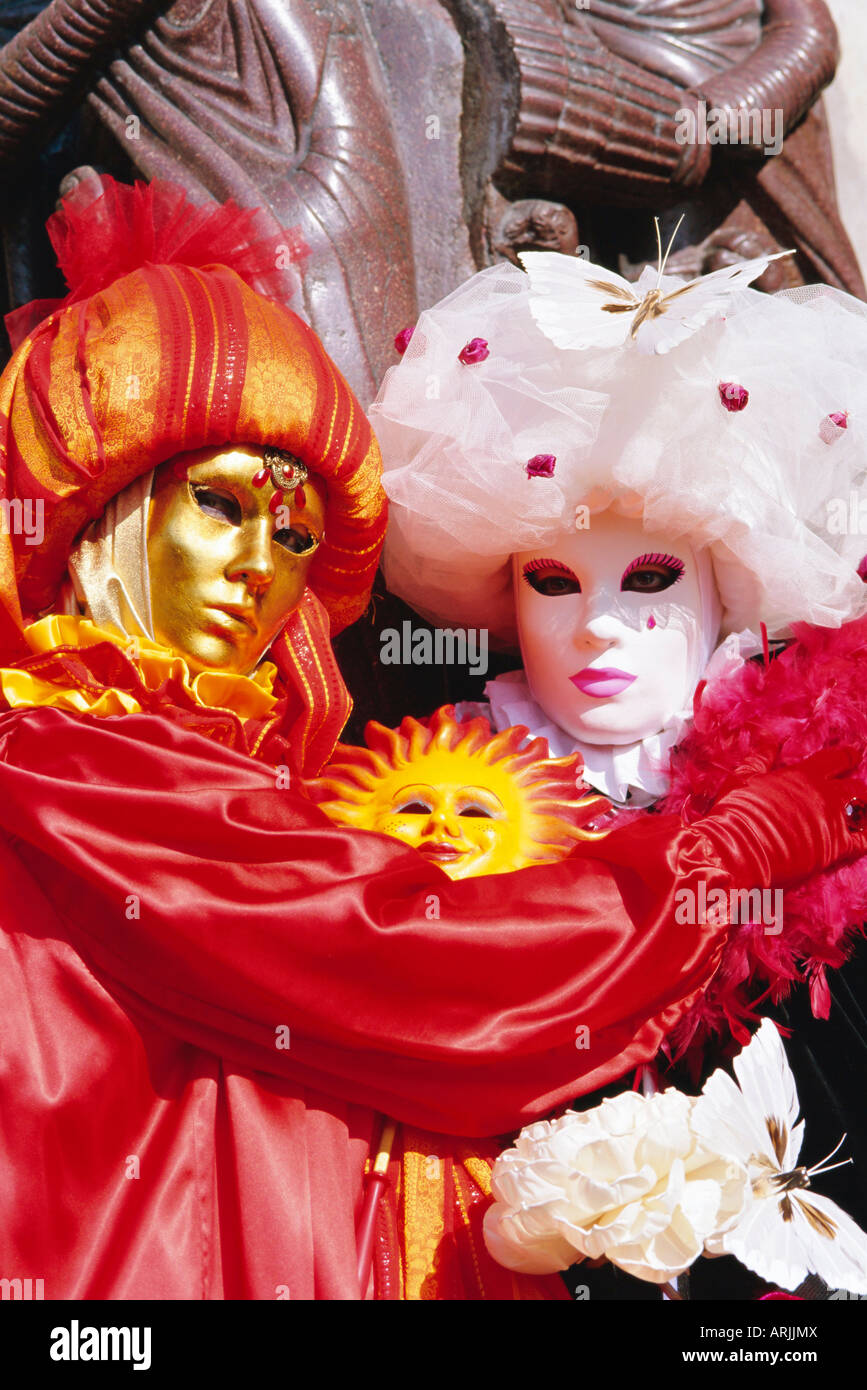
395	133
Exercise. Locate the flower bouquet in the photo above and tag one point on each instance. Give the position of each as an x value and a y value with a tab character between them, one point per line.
650	1182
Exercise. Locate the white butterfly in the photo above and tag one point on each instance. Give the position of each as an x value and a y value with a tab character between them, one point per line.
783	1234
579	305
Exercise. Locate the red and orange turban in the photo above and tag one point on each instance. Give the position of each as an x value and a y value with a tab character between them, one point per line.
179	353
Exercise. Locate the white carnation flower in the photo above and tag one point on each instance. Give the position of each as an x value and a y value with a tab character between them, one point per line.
628	1180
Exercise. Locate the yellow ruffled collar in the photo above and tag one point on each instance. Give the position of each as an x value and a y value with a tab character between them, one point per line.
248	697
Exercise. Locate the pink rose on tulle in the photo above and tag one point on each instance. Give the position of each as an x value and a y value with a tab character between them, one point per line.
476	350
401	341
833	426
733	396
541	466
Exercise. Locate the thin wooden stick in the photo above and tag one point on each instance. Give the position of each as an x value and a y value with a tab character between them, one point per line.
377	1180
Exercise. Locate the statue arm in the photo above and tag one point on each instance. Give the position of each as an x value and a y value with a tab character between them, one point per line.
591	123
46	67
794	62
588	122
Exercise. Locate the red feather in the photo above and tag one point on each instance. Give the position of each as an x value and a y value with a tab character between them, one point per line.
812	696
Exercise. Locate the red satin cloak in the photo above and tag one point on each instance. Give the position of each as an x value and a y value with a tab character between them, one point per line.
167	909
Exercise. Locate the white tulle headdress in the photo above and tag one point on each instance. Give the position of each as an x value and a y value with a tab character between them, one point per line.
736	419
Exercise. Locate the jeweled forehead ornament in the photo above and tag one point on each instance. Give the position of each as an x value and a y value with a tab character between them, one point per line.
286	473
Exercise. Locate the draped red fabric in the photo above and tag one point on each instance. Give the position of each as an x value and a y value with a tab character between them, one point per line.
206	987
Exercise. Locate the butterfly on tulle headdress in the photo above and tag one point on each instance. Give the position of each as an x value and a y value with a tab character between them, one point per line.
579	305
787	1229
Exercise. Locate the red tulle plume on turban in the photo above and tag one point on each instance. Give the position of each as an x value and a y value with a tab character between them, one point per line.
104	230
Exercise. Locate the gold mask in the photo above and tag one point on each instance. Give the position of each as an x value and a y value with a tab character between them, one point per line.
471	802
226	567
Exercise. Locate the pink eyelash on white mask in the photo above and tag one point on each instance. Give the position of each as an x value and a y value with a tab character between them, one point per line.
655	558
557	566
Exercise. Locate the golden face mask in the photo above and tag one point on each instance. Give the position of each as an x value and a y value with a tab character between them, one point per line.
470	802
228	555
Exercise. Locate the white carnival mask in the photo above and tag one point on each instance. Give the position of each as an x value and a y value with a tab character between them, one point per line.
616	625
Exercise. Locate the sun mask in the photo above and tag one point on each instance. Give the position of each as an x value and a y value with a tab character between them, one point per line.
469	802
229	552
616	625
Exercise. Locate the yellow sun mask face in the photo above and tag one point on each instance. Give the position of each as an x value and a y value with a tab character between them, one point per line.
450	817
470	802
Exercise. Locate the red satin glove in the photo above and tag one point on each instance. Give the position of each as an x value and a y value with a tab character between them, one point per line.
795	821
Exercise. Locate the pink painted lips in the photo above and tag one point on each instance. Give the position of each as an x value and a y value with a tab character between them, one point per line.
601	682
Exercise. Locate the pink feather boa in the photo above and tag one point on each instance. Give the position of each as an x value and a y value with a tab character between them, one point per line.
812	696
